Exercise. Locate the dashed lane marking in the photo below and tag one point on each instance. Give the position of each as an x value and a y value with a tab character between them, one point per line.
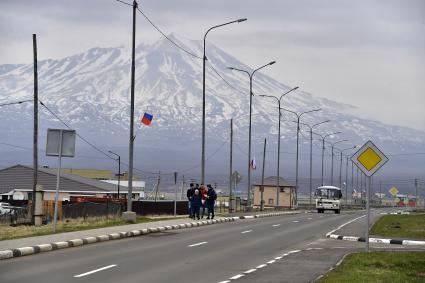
276	225
198	244
250	271
237	277
94	271
295	221
261	266
247	231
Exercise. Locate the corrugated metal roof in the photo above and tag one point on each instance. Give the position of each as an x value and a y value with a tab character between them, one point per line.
20	177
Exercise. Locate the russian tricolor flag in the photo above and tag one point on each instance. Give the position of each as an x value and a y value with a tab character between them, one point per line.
147	119
253	165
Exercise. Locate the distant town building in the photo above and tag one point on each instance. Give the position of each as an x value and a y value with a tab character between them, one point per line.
16	183
286	193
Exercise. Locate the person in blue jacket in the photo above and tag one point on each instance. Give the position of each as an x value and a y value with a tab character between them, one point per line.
211	198
195	203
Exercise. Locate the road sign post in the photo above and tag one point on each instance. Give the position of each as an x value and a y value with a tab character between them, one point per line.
393	191
369	159
60	143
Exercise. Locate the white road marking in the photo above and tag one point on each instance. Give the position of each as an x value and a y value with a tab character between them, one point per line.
271	261
279	257
261	266
227	281
295	251
197	244
250	271
247	231
94	271
309	218
275	225
237	276
285	255
295	221
339	227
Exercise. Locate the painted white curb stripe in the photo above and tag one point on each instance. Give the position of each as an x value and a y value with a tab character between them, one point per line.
96	270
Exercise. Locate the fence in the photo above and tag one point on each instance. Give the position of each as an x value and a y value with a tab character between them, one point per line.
149	207
16	216
91	209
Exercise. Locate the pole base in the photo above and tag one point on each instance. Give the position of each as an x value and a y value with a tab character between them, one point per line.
129	216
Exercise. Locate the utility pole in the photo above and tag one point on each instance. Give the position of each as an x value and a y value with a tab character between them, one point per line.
182	190
157	185
129	215
262	179
352	180
346	182
380	194
230	168
35	132
416	187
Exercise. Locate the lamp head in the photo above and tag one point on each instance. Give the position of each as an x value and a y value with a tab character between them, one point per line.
272	62
241	20
230	68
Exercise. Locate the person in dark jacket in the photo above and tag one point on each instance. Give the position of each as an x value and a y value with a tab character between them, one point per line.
189	195
196	204
203	193
211	198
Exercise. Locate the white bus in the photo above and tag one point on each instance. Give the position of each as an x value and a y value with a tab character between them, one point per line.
328	198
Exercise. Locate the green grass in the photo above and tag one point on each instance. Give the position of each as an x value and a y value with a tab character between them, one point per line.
379	267
22	231
403	226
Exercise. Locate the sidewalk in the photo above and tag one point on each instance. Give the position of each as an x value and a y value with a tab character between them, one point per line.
61	237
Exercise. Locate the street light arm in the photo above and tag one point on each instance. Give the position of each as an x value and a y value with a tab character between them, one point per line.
268	64
239	70
317	124
314	110
217	26
295	88
113	153
228	23
335	133
263	95
287	110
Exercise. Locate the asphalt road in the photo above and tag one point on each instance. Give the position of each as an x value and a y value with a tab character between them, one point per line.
211	253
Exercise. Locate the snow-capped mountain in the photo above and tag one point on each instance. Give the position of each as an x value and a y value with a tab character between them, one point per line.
91	92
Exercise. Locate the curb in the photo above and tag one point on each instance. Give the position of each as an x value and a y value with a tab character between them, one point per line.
6	254
377	240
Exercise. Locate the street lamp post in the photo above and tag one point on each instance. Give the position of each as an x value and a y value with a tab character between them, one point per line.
250	120
332	165
311	153
204	58
298	137
323	147
346	171
278	140
119	170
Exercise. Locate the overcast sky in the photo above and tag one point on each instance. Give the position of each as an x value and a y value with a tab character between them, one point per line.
367	53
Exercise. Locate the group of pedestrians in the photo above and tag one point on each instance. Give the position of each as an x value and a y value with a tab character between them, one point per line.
199	198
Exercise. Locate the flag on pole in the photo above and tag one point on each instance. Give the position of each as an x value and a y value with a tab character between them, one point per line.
146	119
252	165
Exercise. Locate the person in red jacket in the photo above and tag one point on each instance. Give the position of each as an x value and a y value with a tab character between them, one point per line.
203	193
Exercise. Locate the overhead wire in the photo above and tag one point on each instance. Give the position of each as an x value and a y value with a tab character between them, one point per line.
169	39
16	102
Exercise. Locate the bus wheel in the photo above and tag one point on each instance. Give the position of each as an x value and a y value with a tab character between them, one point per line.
338	211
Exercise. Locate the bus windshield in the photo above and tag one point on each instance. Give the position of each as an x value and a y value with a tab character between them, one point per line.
328	193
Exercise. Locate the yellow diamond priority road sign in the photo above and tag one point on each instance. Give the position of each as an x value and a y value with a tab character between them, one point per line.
369	158
393	191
